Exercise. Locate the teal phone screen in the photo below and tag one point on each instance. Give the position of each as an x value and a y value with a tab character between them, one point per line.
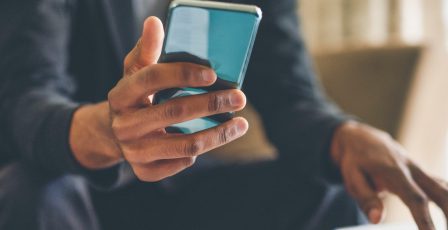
220	39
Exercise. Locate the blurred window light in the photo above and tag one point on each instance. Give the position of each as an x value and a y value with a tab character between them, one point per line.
345	23
445	21
446	155
379	21
411	21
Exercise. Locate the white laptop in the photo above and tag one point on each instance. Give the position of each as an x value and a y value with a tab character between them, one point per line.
397	226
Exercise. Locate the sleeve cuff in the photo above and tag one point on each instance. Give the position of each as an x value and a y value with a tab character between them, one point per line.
52	144
55	155
330	171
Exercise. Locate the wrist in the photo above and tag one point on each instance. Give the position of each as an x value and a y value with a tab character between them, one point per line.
91	139
355	137
338	144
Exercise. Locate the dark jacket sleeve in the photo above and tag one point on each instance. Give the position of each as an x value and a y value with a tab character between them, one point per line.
282	86
35	88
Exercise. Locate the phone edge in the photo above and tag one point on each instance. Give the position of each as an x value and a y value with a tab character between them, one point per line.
219	5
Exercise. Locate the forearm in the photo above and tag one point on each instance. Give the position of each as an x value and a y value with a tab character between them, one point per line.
61	137
36	91
37	125
35	104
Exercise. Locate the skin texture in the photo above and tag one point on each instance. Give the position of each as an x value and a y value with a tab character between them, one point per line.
371	162
129	128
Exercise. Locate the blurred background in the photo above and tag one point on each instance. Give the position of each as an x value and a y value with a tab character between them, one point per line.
386	62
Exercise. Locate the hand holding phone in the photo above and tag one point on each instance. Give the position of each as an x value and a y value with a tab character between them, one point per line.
212	34
129	127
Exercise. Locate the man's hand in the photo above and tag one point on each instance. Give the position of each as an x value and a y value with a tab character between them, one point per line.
372	162
129	127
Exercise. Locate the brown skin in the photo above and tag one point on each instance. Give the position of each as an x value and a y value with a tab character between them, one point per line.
372	162
129	128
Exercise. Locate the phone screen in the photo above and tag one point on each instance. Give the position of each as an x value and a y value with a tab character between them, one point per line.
217	38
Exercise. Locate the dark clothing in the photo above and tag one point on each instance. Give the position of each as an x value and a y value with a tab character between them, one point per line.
31	200
261	197
58	54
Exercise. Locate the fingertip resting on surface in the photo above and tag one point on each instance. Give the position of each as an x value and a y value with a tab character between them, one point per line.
375	216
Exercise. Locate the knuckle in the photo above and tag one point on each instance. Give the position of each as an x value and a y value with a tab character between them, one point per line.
192	148
419	199
224	135
119	130
215	103
112	98
186	73
152	76
173	110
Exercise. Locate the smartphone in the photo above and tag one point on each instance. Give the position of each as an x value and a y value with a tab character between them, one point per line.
214	34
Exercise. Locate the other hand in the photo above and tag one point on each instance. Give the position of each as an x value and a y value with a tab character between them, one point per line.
372	162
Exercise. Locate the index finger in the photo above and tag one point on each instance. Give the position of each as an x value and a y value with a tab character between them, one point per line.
134	90
414	198
436	190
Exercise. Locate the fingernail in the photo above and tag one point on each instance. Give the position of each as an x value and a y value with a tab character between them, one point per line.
236	100
241	127
375	216
208	75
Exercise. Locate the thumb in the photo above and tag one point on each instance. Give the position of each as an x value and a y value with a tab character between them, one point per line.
148	48
366	196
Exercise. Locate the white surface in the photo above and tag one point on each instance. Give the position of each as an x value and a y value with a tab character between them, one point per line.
398	226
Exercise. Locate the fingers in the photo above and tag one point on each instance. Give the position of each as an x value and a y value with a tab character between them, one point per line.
135	125
184	146
148	48
416	200
369	201
159	170
418	203
435	190
134	90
